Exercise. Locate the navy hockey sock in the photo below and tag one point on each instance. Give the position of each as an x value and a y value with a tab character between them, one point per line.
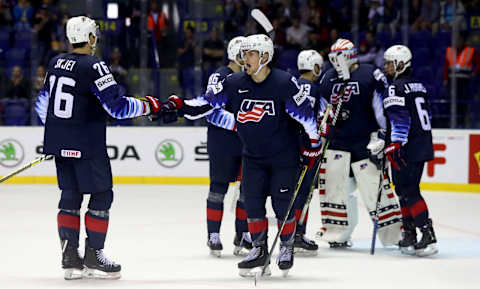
96	224
301	229
69	226
288	231
241	224
214	216
258	229
419	212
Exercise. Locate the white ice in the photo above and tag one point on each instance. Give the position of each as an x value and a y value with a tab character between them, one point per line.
158	235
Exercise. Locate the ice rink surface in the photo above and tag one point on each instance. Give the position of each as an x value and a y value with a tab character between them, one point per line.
158	235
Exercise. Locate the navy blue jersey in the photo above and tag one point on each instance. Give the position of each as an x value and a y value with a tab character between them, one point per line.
311	90
265	112
221	140
362	101
408	112
78	95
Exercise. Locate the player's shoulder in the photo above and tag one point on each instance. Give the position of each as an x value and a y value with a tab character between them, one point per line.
280	74
329	76
236	77
224	71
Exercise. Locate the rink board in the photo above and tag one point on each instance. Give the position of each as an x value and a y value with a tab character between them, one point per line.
178	155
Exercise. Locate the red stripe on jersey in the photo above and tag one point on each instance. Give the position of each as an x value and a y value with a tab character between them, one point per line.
241	214
289	228
96	225
334	214
405	212
258	226
389	215
214	215
68	221
418	208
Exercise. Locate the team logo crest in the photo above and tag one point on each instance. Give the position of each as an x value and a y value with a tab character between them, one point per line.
169	153
352	89
254	110
11	153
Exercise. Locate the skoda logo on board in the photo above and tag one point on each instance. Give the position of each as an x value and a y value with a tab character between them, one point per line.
11	153
169	153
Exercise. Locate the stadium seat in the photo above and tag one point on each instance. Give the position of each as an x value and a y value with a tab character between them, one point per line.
15	56
23	40
4	41
15	111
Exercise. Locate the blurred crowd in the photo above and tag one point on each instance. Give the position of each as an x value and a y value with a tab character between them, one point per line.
32	32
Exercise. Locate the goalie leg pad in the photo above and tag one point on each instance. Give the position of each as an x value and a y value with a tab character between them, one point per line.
335	188
389	216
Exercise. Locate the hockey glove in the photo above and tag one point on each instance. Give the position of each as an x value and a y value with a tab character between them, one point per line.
310	157
375	147
168	107
394	153
153	104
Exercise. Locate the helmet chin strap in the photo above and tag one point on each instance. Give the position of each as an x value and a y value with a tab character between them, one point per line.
93	46
260	65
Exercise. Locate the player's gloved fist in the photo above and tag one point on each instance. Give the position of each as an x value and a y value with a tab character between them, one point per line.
394	153
375	147
153	103
173	103
310	156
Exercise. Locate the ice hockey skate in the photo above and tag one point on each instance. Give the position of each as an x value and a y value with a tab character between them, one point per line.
98	266
406	245
242	243
427	246
253	263
215	244
285	259
304	246
72	263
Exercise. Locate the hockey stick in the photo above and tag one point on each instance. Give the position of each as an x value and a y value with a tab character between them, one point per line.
261	19
27	166
289	208
377	206
322	156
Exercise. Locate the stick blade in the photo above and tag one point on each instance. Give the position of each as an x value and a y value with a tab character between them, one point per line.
258	15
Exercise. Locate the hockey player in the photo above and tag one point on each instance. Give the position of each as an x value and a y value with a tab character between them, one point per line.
409	146
78	95
359	88
267	105
309	63
225	157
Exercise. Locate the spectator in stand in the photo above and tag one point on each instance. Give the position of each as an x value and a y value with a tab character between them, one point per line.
466	67
391	15
375	15
44	25
234	25
40	74
285	12
297	34
117	69
22	15
5	15
414	11
17	87
446	18
212	56
186	63
370	51
157	23
280	36
429	16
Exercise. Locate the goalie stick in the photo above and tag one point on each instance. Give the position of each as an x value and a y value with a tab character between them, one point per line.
383	174
261	19
27	166
322	156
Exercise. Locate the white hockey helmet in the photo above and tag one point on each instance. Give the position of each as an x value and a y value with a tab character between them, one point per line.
79	29
343	55
233	49
307	59
400	56
261	43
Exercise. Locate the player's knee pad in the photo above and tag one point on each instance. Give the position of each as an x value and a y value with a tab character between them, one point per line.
101	201
368	178
70	200
219	187
335	188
